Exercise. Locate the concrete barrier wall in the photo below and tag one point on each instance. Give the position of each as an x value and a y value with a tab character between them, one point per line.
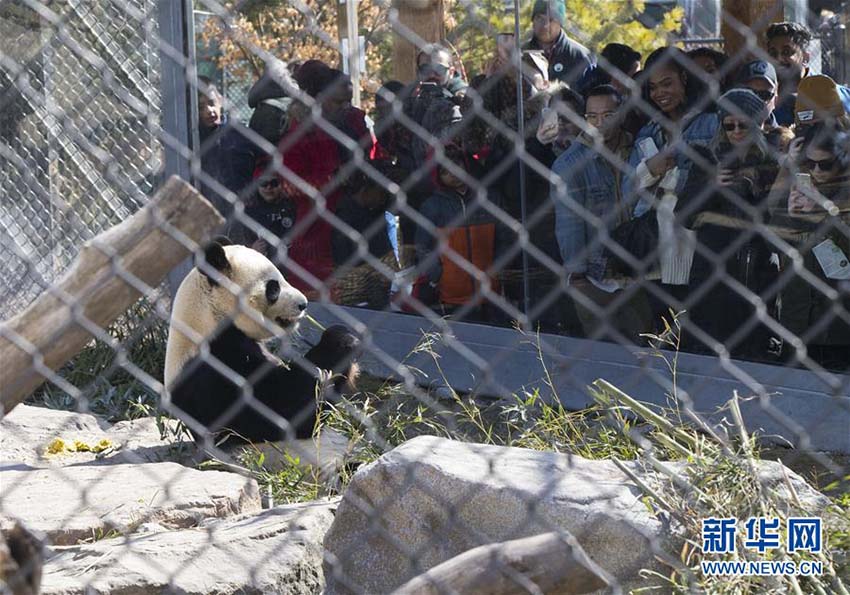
785	405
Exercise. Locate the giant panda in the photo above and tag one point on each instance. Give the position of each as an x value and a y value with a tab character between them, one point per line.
220	376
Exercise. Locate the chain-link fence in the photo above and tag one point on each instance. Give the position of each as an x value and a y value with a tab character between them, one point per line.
535	307
80	151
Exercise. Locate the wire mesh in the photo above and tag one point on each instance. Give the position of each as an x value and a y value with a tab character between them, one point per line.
631	261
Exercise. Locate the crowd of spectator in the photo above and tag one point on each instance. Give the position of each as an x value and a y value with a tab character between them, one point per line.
627	187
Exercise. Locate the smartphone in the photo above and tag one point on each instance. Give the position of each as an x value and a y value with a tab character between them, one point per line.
815	198
647	148
801	204
804	182
548	128
505	45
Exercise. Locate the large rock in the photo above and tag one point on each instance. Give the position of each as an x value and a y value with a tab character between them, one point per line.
27	432
431	499
277	551
70	504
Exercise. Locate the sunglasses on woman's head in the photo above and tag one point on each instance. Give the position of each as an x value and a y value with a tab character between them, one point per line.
732	126
823	164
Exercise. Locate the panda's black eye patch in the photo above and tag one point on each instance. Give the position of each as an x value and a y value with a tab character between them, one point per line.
272	291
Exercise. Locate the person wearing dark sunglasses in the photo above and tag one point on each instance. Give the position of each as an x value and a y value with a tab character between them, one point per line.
824	157
724	210
269	218
432	102
818	212
760	78
434	65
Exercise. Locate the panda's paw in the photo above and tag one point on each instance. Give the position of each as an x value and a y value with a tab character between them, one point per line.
337	350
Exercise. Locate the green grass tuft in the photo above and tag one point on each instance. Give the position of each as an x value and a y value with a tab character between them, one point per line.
103	385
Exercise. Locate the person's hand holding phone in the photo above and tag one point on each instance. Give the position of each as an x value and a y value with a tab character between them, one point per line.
661	163
795	149
801	199
261	246
505	47
725	177
791	158
548	129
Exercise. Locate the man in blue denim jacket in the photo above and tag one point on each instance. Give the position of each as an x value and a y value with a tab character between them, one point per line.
587	199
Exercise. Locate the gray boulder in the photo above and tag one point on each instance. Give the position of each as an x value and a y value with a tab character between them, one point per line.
277	551
431	499
27	432
70	504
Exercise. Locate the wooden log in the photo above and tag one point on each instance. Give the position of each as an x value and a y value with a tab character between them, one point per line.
555	564
106	278
424	18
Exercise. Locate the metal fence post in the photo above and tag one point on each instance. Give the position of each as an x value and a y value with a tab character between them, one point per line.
179	105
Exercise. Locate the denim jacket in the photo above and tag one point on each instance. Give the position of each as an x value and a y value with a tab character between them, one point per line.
698	129
588	197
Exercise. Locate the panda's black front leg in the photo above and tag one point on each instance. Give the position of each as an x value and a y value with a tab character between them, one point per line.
291	393
291	390
337	352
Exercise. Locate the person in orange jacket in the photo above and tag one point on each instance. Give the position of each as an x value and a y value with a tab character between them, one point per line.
463	272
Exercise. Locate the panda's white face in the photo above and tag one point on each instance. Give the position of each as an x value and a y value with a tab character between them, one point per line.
257	297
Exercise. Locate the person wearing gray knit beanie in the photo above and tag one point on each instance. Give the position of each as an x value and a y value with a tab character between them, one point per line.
742	103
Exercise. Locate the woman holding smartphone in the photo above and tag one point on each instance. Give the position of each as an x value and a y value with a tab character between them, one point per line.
725	220
818	218
679	123
680	118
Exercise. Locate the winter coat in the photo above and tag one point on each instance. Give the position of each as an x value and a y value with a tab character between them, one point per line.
569	61
725	217
277	218
590	194
313	157
435	109
805	305
472	236
702	203
501	157
227	160
377	227
316	156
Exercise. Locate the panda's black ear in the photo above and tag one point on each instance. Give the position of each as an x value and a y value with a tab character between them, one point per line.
215	257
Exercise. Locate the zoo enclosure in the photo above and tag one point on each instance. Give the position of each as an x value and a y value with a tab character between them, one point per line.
99	102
